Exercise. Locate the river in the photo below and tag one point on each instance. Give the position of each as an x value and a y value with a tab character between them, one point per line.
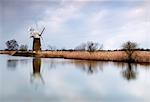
26	79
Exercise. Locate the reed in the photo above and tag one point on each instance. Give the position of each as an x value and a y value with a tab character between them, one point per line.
139	56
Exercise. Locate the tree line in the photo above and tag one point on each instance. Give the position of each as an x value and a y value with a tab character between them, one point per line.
13	45
128	47
86	46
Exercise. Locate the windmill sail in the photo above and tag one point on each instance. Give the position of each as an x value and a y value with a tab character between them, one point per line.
36	35
42	31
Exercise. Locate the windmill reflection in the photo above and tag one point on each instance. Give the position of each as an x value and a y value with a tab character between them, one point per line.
36	76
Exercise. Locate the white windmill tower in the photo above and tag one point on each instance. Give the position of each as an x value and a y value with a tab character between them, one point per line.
36	35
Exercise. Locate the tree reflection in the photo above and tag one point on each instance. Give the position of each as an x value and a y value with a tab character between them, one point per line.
12	64
129	70
89	66
36	76
129	73
52	64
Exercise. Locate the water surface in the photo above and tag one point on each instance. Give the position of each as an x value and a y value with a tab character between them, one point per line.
25	79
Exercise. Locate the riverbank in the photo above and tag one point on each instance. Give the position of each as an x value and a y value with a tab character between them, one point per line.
120	56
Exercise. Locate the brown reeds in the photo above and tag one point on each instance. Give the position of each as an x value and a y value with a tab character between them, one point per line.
139	56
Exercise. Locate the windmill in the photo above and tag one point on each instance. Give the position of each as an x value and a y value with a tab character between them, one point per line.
36	35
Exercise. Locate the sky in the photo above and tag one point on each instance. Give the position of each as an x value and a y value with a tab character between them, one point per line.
69	23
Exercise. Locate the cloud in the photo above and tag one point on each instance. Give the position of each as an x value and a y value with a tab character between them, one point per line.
55	20
135	29
18	15
71	22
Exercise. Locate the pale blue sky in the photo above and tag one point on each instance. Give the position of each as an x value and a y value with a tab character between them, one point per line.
71	22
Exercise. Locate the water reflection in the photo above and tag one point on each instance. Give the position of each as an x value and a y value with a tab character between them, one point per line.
129	70
89	67
53	64
79	79
36	76
12	64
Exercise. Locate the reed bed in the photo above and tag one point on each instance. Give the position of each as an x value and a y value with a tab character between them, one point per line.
139	56
7	52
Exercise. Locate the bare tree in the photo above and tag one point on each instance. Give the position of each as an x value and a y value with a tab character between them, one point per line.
23	47
129	48
50	47
89	46
81	47
92	46
12	45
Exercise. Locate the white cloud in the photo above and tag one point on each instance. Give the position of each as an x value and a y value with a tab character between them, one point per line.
135	29
54	20
109	26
